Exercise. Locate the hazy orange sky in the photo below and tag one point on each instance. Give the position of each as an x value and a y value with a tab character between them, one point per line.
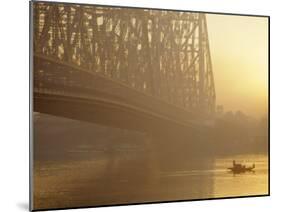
239	50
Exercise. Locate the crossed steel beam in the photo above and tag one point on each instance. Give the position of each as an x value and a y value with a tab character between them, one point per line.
162	53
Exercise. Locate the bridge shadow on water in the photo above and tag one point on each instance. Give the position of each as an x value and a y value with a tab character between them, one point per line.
83	164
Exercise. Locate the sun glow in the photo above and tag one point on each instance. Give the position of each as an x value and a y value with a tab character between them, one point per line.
239	47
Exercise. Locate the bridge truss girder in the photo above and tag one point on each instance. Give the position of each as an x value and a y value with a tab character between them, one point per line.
161	53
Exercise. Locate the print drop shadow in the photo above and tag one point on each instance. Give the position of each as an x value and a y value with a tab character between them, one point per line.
23	206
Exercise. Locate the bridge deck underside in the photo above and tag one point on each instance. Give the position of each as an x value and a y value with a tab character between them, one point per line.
68	91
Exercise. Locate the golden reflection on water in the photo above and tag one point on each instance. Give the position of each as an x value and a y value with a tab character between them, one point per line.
89	183
249	183
96	165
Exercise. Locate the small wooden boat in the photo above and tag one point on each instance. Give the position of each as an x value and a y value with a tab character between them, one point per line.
239	168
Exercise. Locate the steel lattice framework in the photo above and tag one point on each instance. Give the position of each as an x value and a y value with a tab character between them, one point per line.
165	54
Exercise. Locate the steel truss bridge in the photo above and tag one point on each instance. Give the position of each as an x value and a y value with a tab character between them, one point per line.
125	67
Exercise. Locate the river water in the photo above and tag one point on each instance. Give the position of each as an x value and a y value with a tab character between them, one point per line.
68	173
